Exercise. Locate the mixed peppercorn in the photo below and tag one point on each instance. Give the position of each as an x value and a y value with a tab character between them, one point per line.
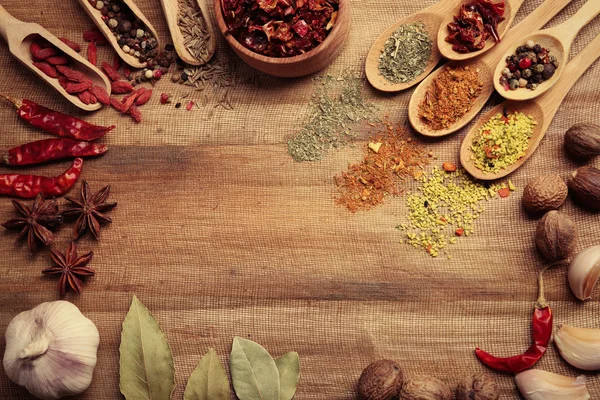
531	65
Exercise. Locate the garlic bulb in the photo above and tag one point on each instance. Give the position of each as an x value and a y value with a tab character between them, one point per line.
51	350
584	272
535	384
580	347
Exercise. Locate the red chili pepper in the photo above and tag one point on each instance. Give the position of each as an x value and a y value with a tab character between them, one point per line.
29	186
111	71
92	53
541	332
57	123
51	150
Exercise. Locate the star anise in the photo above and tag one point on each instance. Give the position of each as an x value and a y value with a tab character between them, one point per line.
35	222
71	268
89	211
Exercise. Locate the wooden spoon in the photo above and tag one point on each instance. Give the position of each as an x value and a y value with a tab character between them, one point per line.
171	10
542	110
558	41
19	35
512	7
431	17
96	16
485	65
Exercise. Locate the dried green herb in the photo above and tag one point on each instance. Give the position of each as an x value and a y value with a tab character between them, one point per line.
337	104
406	53
146	362
253	371
288	366
208	381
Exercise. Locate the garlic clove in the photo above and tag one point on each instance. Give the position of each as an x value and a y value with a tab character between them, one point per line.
584	272
536	384
580	347
51	350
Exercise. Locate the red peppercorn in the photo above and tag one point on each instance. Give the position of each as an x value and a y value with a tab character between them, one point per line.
157	74
512	67
525	63
164	98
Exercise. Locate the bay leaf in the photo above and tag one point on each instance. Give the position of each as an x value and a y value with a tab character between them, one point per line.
146	362
208	381
253	371
288	366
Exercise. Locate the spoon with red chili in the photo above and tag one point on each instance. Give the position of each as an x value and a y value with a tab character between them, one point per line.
21	35
494	16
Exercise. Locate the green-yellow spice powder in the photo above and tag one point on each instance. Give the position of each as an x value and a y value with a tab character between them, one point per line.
502	141
444	209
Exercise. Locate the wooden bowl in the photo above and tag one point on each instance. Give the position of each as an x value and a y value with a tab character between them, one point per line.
292	67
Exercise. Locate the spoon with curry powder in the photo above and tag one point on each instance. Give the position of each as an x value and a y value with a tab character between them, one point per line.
511	7
484	66
542	110
557	41
431	17
20	35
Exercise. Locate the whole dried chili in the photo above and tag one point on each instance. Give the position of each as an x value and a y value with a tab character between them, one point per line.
541	332
57	123
29	186
51	150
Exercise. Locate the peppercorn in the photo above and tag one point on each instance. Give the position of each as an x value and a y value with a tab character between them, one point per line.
184	76
124	26
514	84
526	73
537	78
525	63
537	49
548	72
517	74
539	68
177	105
522	82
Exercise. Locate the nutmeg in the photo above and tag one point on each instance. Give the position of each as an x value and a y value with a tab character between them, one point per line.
477	387
425	388
381	380
583	140
556	236
585	186
545	193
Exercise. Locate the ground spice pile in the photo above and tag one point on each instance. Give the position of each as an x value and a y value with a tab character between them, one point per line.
392	156
502	141
337	104
450	96
445	208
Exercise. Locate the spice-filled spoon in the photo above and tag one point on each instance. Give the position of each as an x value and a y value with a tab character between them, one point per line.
542	110
557	41
171	10
102	22
431	17
484	66
511	7
20	35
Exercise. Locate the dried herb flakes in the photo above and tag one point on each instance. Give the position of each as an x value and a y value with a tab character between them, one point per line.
406	53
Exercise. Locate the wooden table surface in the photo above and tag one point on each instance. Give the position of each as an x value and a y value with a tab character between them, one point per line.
220	233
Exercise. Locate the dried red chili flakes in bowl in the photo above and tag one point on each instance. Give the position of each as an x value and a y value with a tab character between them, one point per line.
280	28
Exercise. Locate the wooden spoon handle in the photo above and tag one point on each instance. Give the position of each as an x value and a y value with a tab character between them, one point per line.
568	30
441	8
551	100
6	20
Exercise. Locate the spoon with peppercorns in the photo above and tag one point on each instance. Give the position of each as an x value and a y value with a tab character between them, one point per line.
537	64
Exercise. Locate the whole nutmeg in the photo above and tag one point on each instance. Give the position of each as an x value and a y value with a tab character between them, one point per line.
545	193
556	236
477	387
585	185
381	380
583	140
425	388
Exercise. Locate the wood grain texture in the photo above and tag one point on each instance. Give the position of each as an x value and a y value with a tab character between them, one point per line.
219	233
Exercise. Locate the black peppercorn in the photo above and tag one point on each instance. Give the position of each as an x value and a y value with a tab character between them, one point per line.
177	105
537	49
517	74
548	72
426	204
124	26
537	78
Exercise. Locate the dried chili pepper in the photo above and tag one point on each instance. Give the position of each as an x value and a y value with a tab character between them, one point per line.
144	97
50	150
78	87
111	71
121	87
46	68
541	332
73	74
58	60
57	123
100	94
92	53
71	44
29	186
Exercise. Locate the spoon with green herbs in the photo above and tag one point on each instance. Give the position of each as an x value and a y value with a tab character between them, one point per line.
498	158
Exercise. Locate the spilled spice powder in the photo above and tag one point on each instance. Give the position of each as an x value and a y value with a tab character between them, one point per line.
392	155
450	96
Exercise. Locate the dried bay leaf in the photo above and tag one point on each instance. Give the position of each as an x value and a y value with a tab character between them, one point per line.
253	371
288	366
208	381
146	362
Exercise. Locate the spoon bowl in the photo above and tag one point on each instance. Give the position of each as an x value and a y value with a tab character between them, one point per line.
96	16
511	9
19	36
171	10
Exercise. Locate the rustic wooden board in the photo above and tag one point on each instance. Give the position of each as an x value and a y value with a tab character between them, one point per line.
220	233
